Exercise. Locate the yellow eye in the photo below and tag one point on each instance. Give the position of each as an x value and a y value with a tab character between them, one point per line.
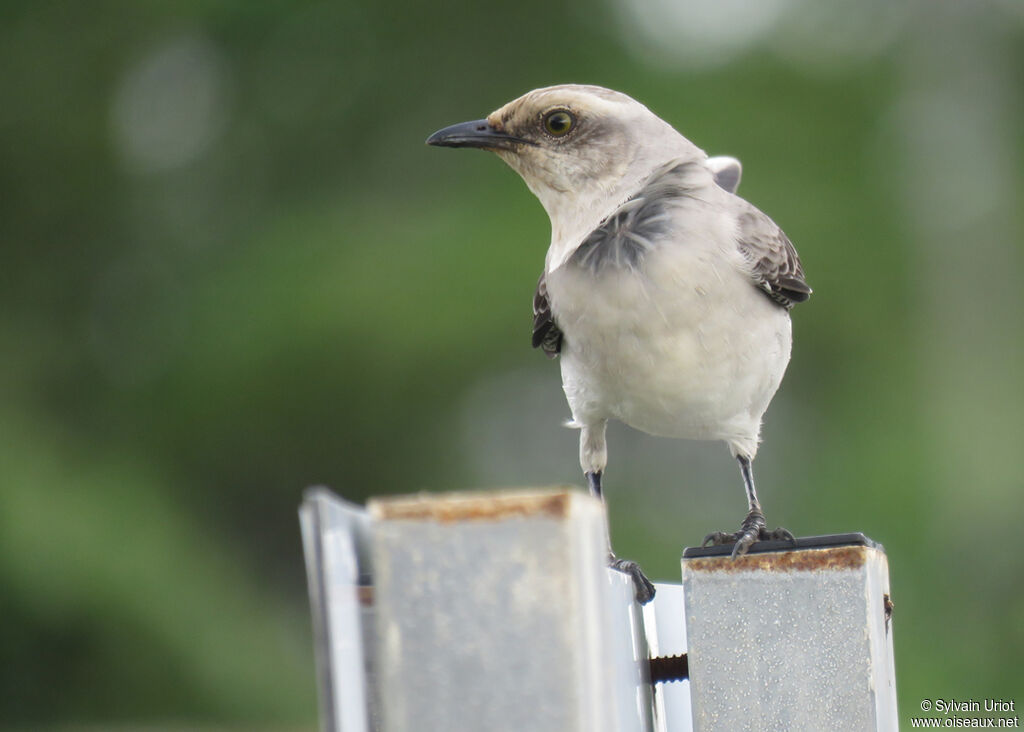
559	122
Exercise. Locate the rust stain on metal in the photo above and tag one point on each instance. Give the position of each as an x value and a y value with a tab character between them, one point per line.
802	560
365	594
453	507
887	606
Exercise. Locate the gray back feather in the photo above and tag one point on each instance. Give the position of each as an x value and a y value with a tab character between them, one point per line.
632	230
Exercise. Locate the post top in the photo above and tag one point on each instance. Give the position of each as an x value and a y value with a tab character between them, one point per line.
809	553
477	506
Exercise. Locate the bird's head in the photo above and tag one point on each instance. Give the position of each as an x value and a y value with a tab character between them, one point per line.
575	146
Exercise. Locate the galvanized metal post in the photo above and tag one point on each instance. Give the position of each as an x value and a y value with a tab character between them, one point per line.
493	614
666	639
335	538
495	611
488	611
791	639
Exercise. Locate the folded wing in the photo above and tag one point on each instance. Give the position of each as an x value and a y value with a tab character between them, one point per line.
546	334
774	264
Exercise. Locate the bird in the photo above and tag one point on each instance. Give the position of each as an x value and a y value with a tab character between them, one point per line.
665	296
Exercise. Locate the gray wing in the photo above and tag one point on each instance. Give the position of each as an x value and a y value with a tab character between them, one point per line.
775	265
546	333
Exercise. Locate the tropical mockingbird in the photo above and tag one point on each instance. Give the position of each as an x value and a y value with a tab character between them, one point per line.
665	295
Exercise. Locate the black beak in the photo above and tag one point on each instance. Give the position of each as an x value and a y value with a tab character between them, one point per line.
477	133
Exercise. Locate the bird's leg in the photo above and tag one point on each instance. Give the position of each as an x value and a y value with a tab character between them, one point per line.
644	588
593	456
753	527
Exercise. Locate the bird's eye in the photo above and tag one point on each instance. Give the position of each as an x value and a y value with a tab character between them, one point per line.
559	122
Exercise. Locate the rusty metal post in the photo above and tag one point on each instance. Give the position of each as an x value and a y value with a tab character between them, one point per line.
491	611
495	611
791	639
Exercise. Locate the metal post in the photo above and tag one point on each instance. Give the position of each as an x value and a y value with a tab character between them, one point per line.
496	611
465	611
791	639
335	539
666	639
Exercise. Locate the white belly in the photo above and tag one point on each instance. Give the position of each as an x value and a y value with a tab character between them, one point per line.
667	355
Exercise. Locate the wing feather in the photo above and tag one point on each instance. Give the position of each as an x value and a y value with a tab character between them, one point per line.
546	334
774	264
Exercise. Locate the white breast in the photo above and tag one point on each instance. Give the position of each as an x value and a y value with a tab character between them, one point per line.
683	346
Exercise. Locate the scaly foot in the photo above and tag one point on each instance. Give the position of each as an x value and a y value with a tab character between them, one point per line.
644	588
753	529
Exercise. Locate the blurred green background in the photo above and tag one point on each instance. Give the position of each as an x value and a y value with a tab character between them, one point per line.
232	269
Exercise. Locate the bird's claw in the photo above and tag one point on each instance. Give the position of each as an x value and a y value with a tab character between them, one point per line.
644	588
745	538
752	530
779	534
718	538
